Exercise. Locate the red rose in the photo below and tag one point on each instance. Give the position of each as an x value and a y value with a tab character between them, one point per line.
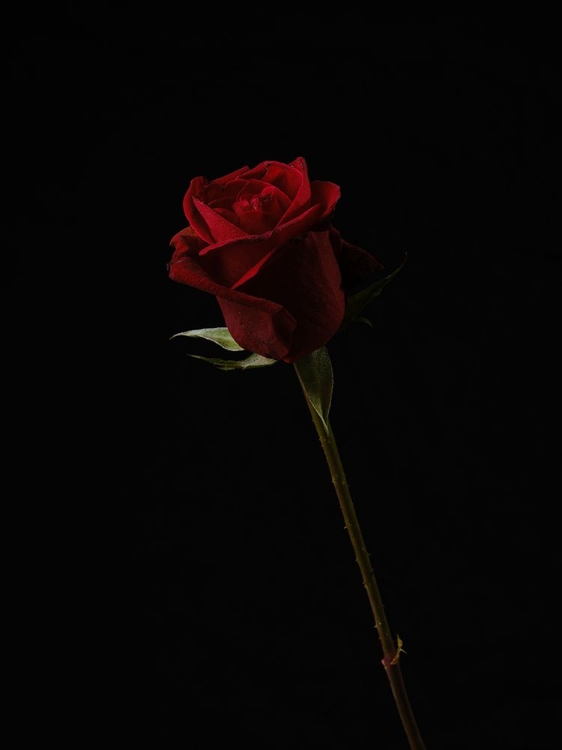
261	241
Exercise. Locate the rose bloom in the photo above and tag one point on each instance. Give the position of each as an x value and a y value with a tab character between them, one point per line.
261	241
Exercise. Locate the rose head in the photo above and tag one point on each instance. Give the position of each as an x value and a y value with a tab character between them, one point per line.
261	241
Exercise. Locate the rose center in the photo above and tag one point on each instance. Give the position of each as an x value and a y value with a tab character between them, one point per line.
255	203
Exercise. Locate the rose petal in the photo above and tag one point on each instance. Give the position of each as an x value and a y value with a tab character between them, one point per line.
304	278
326	194
195	220
219	228
226	263
258	325
357	265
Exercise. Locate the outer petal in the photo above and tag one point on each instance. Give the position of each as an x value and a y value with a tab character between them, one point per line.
304	278
357	265
225	263
256	324
325	194
233	261
193	216
293	307
185	242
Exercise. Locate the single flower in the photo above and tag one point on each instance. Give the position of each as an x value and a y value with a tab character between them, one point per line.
261	240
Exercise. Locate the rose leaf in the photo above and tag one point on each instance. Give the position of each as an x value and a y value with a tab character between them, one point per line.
220	336
361	299
254	360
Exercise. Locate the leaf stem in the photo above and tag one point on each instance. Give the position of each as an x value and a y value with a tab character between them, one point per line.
391	651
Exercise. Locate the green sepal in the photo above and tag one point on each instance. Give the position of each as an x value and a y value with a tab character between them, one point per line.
220	336
254	360
317	380
359	300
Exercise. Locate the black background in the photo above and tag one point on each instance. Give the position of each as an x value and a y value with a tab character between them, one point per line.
177	558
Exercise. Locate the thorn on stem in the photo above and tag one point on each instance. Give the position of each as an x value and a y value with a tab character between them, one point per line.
399	650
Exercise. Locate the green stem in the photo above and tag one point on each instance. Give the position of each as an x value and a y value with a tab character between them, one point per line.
391	652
